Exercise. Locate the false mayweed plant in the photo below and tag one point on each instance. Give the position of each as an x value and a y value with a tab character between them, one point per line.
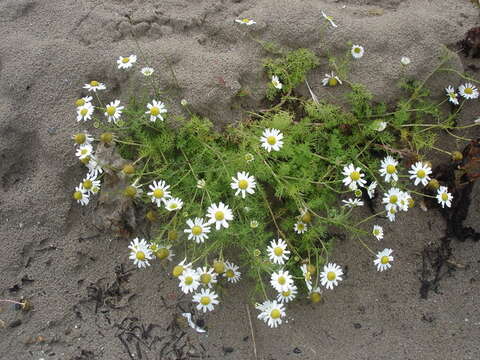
260	198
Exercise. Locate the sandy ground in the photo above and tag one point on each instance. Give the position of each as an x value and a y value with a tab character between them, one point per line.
53	255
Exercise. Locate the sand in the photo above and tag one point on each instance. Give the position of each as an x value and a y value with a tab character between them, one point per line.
52	255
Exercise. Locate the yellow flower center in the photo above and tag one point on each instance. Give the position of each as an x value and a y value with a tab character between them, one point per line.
173	205
77	195
106	137
219	215
140	255
84	151
376	232
275	314
245	20
162	253
219	267
272	140
205	278
188	280
355	175
392	211
332	81
356	50
391	169
158	193
85	160
444	196
111	110
84	112
384	260
278	251
94	83
87	184
315	297
287	293
79	138
205	300
177	270
421	173
243	184
411	203
79	102
331	276
229	273
154	111
468	91
306	217
196	230
125	60
282	280
130	191
300	227
393	199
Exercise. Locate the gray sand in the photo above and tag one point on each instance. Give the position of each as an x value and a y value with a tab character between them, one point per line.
49	49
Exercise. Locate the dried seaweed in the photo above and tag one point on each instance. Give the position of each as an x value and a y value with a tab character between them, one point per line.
459	176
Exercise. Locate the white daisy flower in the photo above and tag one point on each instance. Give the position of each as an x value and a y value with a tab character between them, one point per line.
173	204
377	232
84	151
276	82
254	224
231	272
391	211
113	111
81	195
405	60
281	280
162	251
189	280
329	19
331	80
331	275
147	71
94	86
245	21
287	295
140	252
181	268
220	215
383	259
208	276
82	138
134	190
82	101
379	125
85	112
244	183
160	193
271	312
198	230
444	197
91	184
300	227
353	177
419	172
201	184
468	91
351	203
371	189
94	168
205	299
404	201
388	169
452	95
271	139
126	62
392	196
357	51
277	251
155	110
307	276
